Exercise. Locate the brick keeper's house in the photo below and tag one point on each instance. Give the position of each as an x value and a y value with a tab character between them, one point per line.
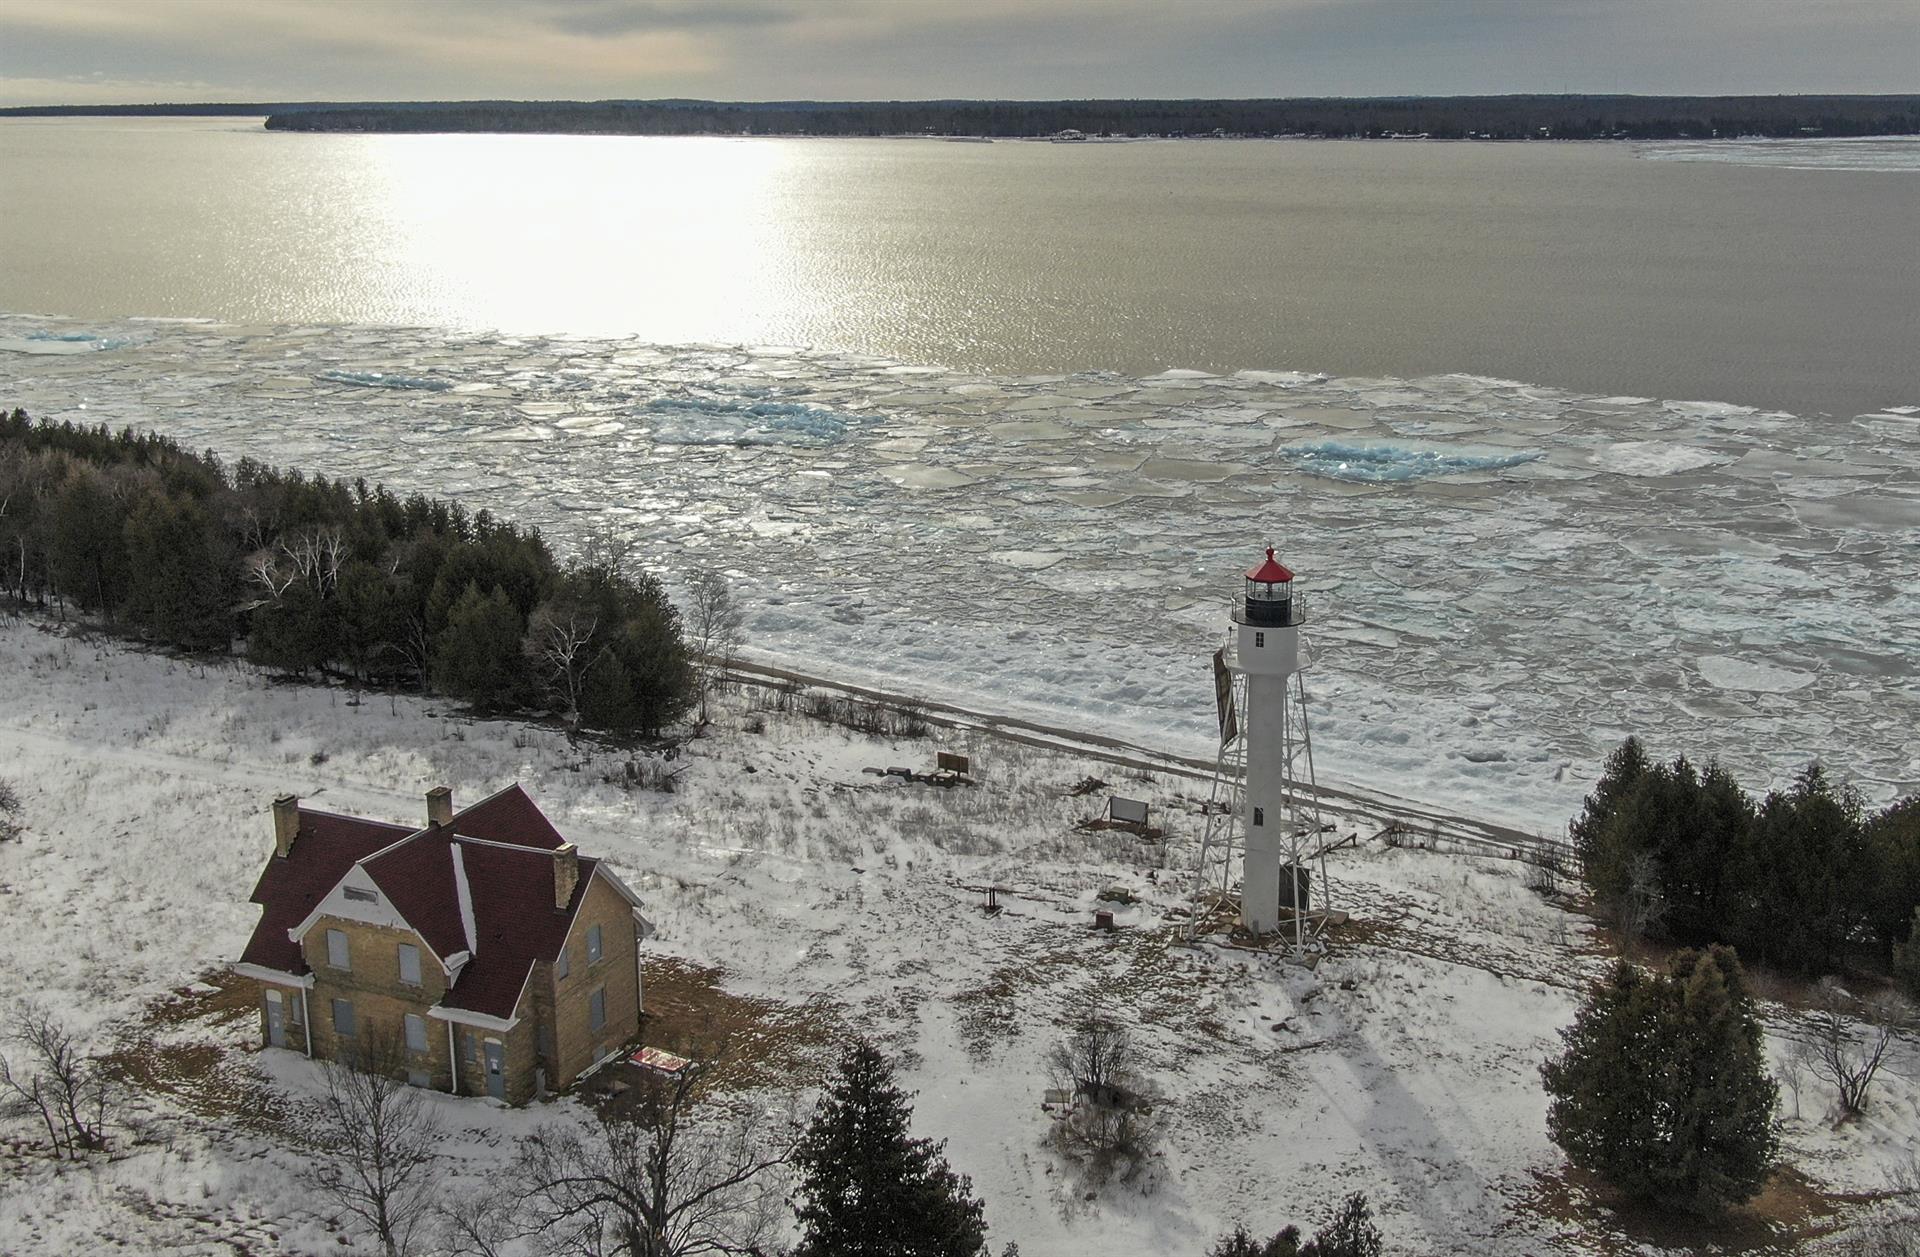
496	957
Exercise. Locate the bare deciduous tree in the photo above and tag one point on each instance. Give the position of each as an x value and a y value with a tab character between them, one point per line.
715	625
1847	1053
1111	1126
560	641
649	1180
377	1138
481	1223
1642	907
1894	1228
1095	1057
602	549
51	1079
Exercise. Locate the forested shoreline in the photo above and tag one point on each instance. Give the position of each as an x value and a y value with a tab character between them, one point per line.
1517	117
311	576
1461	117
1805	879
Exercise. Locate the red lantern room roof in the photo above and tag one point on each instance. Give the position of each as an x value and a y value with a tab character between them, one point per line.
1272	572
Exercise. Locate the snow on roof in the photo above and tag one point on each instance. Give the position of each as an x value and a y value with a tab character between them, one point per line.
325	847
504	845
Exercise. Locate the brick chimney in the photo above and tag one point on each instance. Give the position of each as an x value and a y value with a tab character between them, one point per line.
566	874
440	805
286	823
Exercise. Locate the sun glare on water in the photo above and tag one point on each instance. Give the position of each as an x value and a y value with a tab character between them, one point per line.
693	229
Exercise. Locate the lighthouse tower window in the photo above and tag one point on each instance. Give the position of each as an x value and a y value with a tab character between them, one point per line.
1259	639
1259	816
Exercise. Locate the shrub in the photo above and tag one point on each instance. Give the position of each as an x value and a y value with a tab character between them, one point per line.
1662	1087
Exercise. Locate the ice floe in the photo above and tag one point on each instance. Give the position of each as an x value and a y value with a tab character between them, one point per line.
1719	579
1343	460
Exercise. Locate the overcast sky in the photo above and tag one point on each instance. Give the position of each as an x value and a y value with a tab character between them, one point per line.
89	51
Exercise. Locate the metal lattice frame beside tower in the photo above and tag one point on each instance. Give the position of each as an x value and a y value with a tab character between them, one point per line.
1296	836
1226	804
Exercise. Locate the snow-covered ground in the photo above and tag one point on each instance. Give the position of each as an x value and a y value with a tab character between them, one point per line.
828	900
1501	579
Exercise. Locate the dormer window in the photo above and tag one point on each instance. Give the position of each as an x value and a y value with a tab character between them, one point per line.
359	894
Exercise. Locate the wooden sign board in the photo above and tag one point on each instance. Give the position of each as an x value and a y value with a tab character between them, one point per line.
1223	698
1127	811
949	762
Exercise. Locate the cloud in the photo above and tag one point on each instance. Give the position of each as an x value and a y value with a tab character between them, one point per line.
917	49
624	17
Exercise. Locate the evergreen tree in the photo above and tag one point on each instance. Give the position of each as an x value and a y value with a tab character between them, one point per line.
606	698
1623	771
1906	960
867	1187
1350	1234
1893	841
1240	1243
297	632
1804	873
180	573
1662	1087
477	656
89	554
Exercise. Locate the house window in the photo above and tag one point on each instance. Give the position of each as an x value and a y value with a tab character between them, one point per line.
561	967
337	954
546	1042
1259	639
359	894
469	1046
343	1018
416	1033
419	1078
593	944
597	1010
1259	816
410	964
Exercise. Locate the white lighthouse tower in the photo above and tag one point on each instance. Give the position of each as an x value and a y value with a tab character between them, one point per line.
1265	800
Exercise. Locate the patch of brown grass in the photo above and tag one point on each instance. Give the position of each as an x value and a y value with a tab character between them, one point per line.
158	1054
1789	1211
760	1042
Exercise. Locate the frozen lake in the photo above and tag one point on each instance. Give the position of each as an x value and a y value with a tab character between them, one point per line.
1501	578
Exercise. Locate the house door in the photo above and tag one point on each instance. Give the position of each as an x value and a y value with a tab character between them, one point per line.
276	1020
496	1069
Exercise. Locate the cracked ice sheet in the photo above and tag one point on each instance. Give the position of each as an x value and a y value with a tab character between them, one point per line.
1719	579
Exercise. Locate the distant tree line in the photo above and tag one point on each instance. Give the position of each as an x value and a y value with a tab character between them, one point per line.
332	576
1441	117
1804	879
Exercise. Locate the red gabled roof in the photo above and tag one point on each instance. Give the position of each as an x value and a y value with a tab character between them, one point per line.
515	921
505	847
417	878
325	847
1272	572
509	816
